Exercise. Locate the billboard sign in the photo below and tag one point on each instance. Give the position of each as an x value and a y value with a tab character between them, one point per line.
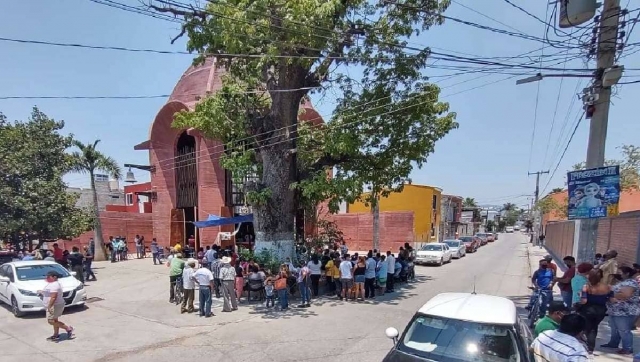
593	193
466	217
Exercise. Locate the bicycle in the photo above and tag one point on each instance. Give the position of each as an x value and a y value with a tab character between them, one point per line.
178	291
535	311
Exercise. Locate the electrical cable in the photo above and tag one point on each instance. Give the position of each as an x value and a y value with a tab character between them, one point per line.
564	152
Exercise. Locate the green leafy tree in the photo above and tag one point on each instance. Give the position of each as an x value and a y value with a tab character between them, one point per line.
629	167
89	160
508	207
383	124
490	226
34	204
557	190
469	202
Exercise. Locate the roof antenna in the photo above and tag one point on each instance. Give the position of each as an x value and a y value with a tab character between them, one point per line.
474	285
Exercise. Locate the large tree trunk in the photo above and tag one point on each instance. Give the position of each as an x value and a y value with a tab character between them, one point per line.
375	210
100	252
274	220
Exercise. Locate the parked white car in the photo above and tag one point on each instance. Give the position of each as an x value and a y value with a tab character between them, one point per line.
434	253
21	280
463	327
509	229
457	247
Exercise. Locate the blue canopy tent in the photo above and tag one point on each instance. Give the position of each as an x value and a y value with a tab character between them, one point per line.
215	220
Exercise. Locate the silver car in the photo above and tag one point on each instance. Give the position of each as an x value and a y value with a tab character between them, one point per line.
457	247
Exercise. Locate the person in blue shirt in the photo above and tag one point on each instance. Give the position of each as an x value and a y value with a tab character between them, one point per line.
542	280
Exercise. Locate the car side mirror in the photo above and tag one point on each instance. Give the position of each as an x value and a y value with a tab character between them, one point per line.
73	273
392	334
5	280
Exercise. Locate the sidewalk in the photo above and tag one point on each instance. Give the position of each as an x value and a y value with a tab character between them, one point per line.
535	254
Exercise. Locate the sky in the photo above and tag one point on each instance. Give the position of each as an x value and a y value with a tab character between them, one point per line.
488	157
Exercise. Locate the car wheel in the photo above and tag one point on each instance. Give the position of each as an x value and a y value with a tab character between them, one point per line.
15	309
441	262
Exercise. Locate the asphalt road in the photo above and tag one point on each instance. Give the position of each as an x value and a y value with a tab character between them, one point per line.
133	321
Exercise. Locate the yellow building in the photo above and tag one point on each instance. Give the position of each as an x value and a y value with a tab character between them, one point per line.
424	201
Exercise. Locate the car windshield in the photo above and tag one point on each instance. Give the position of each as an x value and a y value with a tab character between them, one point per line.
39	272
481	235
431	247
452	243
466	239
442	339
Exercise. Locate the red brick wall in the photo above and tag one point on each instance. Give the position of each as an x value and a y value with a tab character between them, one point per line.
396	228
621	233
118	224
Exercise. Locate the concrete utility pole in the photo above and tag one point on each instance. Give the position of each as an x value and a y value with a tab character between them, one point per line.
538	218
607	39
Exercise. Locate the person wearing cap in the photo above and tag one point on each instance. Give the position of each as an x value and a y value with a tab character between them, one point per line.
176	265
609	267
54	303
188	286
579	281
551	321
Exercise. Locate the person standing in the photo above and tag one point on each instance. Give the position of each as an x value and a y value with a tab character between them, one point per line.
315	268
92	246
227	280
113	248
204	278
155	251
609	266
188	286
564	282
175	271
76	260
623	309
593	305
303	284
136	240
215	269
391	268
88	260
579	281
54	303
346	276
281	286
370	277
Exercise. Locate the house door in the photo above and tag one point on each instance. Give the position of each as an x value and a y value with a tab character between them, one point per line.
178	232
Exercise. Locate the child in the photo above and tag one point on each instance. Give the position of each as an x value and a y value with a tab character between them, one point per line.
268	291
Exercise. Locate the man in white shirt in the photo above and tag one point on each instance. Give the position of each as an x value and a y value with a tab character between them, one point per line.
391	268
563	344
204	278
346	276
188	286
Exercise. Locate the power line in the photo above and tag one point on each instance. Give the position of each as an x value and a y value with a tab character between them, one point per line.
564	152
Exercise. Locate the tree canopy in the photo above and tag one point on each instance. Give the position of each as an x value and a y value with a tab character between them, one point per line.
275	55
469	202
34	203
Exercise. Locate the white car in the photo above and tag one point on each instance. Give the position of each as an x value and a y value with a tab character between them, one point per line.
509	229
457	247
463	327
434	253
21	280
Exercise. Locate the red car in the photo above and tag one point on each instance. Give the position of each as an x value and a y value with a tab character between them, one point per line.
490	237
471	243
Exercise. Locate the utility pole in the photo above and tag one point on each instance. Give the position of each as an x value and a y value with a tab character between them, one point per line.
538	218
375	210
607	39
537	194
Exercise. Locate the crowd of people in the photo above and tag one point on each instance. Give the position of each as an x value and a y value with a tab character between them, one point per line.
347	277
590	292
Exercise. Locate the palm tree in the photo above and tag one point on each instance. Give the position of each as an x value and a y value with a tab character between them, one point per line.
556	190
508	206
469	202
89	160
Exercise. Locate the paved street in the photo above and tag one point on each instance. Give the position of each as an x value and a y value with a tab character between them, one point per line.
135	322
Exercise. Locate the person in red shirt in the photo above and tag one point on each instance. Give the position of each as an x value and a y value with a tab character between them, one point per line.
564	282
58	253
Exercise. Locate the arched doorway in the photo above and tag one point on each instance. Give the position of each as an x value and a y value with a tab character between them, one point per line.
183	216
